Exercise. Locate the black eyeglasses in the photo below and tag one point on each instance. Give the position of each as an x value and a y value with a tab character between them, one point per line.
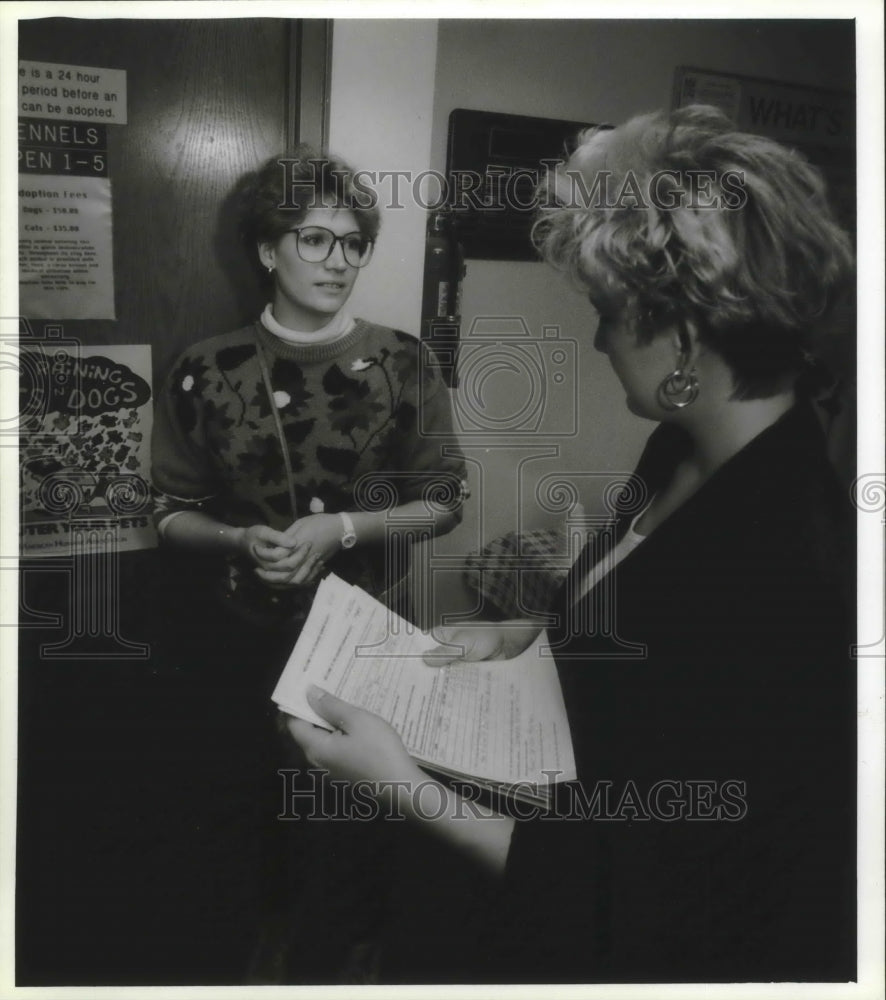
316	243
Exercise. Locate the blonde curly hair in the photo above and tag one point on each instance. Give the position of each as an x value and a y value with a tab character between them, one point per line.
687	218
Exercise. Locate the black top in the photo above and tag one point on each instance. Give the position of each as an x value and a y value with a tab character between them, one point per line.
714	837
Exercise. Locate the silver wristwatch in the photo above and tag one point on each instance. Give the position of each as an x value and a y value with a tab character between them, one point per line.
349	536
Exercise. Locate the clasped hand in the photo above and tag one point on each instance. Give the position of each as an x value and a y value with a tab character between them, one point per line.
295	557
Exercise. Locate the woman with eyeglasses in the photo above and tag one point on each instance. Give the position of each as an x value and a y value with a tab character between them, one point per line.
282	450
263	435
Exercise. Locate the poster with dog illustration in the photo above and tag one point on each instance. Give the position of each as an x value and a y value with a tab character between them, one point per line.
84	450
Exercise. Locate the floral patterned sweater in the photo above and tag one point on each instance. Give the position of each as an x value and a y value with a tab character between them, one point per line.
363	405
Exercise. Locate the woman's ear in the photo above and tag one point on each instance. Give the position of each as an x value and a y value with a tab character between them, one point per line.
267	255
685	338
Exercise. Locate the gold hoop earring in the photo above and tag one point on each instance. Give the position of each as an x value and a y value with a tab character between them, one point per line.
679	390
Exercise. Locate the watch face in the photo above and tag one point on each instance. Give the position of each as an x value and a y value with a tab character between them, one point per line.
348	540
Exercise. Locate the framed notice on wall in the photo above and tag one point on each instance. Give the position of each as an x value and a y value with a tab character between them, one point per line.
66	268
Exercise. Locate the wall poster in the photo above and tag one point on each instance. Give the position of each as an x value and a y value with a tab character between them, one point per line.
86	415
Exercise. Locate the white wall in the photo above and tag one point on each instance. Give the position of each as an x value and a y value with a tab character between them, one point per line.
608	70
393	86
381	103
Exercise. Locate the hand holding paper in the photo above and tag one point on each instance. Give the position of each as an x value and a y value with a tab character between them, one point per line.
480	642
500	722
360	747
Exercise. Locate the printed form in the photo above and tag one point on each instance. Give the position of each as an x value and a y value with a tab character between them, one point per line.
501	721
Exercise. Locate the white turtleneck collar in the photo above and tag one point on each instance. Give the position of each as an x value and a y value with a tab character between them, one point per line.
339	326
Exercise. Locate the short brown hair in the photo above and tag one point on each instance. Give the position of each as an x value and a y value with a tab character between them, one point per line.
283	190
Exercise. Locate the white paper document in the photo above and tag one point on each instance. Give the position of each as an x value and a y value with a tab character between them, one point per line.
499	722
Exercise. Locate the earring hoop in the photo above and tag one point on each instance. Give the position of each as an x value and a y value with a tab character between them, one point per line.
679	390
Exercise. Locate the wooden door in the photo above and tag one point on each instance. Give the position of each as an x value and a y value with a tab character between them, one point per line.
98	855
207	100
